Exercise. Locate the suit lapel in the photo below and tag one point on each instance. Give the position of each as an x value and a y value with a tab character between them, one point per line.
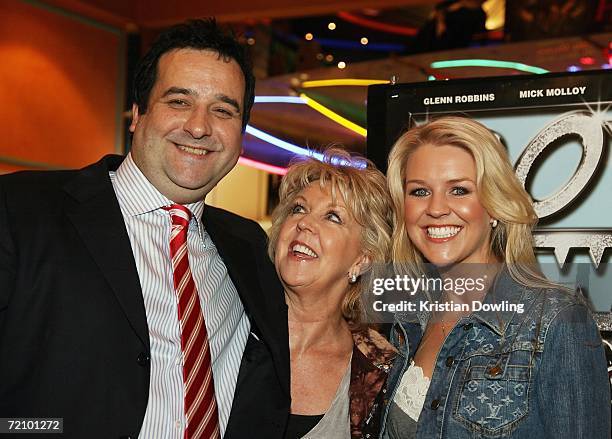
258	287
97	218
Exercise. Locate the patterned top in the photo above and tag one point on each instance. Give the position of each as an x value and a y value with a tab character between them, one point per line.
372	359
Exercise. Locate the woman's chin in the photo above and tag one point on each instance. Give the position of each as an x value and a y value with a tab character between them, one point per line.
296	286
441	262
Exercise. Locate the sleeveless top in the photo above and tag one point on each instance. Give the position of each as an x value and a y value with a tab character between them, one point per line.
335	422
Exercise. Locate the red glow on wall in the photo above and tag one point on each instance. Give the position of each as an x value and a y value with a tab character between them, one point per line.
587	60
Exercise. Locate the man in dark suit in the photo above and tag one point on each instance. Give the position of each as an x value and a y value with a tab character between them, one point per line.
127	306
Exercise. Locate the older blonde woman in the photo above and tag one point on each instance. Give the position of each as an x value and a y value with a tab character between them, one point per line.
528	364
332	223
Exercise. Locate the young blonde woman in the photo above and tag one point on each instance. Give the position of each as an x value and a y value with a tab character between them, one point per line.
526	361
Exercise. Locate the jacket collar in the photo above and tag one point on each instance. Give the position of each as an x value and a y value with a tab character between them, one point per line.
96	215
505	291
376	348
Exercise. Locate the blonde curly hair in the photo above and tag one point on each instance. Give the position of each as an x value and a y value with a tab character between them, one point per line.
362	188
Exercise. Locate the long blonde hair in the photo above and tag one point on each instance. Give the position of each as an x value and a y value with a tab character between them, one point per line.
499	191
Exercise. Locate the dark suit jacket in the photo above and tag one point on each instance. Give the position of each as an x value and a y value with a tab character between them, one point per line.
74	341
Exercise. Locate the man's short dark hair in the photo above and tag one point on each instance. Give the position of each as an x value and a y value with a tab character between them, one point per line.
193	34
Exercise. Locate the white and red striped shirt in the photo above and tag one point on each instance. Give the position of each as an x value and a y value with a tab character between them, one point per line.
148	227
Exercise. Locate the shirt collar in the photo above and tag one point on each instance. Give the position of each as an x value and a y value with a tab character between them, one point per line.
136	194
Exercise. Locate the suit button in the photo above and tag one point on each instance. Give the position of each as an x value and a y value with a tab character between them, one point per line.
449	361
468	326
143	359
435	404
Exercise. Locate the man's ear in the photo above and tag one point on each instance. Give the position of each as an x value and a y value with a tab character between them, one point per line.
135	117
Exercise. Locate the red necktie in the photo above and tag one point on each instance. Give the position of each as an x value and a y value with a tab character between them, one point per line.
200	404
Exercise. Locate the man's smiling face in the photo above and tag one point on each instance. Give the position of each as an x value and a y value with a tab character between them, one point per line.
191	135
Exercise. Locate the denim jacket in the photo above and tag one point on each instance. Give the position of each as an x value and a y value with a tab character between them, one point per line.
537	374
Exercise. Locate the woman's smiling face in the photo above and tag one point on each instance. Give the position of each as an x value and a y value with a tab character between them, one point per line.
318	243
443	215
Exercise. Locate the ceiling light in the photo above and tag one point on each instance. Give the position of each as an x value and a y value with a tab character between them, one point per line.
308	36
364	41
341	65
331	25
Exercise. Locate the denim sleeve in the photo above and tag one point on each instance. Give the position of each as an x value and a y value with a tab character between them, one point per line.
572	388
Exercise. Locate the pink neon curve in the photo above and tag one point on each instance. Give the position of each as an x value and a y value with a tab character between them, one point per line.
384	27
262	166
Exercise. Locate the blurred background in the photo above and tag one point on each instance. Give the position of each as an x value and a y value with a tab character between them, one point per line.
65	75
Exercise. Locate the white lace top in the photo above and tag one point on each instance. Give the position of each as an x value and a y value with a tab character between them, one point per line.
411	392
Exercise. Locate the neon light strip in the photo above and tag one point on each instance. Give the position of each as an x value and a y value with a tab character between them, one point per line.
262	166
289	146
278	100
384	27
275	140
342	82
487	63
334	116
281	143
295	149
